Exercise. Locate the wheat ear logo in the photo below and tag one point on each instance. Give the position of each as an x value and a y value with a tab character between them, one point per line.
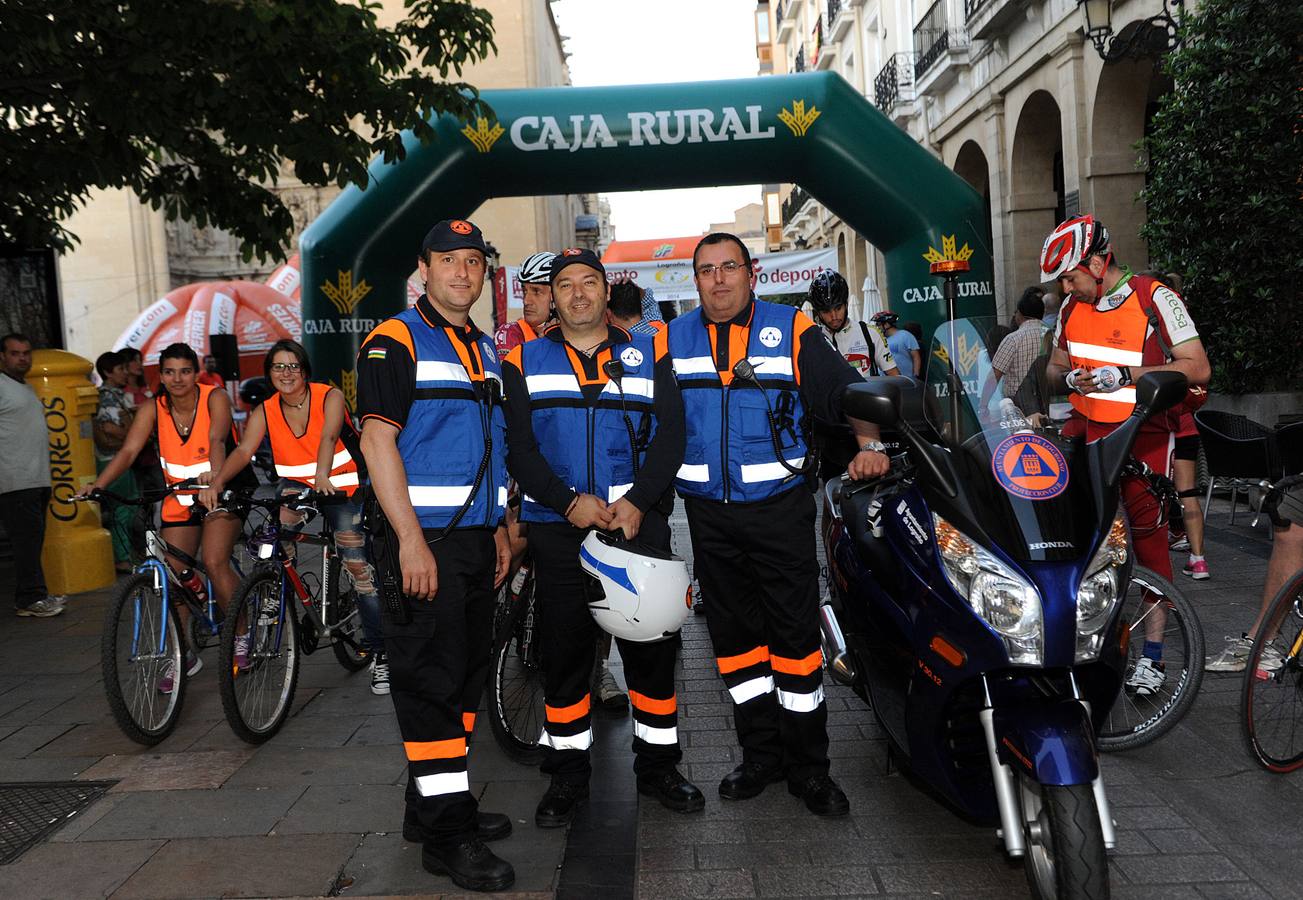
799	119
344	294
948	251
482	136
348	387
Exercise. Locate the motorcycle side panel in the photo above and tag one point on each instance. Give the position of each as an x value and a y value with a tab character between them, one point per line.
1054	743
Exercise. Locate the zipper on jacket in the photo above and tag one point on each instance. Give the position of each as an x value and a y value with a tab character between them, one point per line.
723	436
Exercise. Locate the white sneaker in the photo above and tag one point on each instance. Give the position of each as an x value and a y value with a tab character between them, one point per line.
379	674
1270	661
1232	659
1147	678
41	609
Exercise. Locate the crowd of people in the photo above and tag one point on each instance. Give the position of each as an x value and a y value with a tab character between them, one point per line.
588	414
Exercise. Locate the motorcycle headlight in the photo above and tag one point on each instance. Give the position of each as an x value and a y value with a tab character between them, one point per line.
1003	598
1099	593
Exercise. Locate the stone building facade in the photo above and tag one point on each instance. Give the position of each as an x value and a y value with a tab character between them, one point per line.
1008	93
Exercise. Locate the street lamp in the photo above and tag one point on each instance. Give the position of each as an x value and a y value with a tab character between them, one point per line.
1158	34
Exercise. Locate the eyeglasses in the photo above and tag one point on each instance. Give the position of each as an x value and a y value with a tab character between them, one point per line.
286	367
728	268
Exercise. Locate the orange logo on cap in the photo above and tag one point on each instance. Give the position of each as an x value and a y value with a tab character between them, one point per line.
571	251
461	226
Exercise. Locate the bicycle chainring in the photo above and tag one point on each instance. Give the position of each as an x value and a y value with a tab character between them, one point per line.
309	636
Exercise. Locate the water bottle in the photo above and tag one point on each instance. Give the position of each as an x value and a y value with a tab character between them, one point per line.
518	581
194	582
1011	416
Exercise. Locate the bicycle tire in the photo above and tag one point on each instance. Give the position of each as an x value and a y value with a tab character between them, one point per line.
1270	698
257	697
132	684
351	656
1135	720
516	709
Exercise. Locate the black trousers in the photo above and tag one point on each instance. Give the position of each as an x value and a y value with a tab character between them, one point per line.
569	641
437	666
760	577
23	514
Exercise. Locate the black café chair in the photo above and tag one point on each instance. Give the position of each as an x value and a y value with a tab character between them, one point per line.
1241	454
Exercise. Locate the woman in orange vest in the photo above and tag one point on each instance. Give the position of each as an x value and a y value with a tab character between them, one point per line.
194	431
310	435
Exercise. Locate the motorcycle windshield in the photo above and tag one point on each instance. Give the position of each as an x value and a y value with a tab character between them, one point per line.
1030	486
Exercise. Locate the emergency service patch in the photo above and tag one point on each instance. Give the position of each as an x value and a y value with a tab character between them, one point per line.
377	353
1029	466
631	357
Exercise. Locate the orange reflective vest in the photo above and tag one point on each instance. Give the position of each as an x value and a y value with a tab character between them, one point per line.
182	457
296	456
1115	337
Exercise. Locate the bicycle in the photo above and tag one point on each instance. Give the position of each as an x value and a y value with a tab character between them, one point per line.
141	641
263	635
1271	698
1136	719
516	708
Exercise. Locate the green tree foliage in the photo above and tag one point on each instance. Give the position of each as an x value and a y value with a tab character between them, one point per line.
1225	152
195	104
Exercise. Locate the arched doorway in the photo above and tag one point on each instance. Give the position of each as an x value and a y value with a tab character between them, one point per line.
813	129
971	166
1037	201
1125	98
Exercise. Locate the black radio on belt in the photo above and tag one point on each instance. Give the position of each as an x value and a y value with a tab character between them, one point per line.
386	560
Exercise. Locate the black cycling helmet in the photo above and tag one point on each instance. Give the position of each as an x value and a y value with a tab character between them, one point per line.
886	317
828	290
253	391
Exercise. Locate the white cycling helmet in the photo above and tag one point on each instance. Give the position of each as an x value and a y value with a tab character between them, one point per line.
537	269
636	593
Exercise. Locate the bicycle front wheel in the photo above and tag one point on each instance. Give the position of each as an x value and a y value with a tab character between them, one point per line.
516	711
1154	609
140	658
259	658
1271	701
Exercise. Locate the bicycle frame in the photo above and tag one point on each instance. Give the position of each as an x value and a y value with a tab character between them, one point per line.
156	551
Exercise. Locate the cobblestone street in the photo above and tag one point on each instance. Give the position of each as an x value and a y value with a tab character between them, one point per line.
317	810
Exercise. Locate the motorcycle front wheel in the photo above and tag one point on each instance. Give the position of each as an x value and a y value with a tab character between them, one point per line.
1065	857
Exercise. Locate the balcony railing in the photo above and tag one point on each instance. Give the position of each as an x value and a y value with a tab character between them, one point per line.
834	7
792	205
932	38
778	14
972	6
896	75
799	64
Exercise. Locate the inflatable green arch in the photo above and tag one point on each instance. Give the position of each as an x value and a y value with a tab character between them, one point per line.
812	129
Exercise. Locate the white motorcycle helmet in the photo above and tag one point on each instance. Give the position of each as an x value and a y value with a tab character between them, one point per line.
635	592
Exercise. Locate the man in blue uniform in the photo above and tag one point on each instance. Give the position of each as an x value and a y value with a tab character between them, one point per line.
752	373
434	438
596	434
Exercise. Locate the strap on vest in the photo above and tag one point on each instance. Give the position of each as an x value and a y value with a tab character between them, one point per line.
873	357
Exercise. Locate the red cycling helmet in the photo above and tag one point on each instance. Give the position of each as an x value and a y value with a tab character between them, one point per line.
1071	244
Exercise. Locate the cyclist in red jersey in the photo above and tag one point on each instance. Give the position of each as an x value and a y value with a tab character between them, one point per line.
537	305
1114	327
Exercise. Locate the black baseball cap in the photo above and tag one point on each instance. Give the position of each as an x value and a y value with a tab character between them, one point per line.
572	255
454	234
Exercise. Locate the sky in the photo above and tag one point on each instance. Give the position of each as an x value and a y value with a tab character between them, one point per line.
659	41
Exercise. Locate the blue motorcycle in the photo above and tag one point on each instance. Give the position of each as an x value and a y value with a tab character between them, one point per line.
977	604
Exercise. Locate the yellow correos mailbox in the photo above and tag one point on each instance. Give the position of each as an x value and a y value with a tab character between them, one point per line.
78	554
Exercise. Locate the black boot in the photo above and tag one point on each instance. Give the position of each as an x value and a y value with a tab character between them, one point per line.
673	791
488	826
821	795
748	780
558	805
470	864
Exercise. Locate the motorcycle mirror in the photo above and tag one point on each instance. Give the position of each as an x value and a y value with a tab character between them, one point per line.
875	401
1158	391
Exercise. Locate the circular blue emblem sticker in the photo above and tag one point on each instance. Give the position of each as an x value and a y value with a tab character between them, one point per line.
1029	466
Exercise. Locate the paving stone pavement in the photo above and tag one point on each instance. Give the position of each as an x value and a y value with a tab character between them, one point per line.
316	811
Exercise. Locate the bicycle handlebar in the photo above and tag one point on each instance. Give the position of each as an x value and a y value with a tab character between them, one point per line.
147	498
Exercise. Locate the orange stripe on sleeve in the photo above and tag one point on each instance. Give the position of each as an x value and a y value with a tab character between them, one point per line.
563	714
449	749
653	706
395	330
468	722
802	666
661	341
741	661
515	357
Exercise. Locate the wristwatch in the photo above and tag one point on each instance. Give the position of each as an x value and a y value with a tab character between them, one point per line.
875	446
